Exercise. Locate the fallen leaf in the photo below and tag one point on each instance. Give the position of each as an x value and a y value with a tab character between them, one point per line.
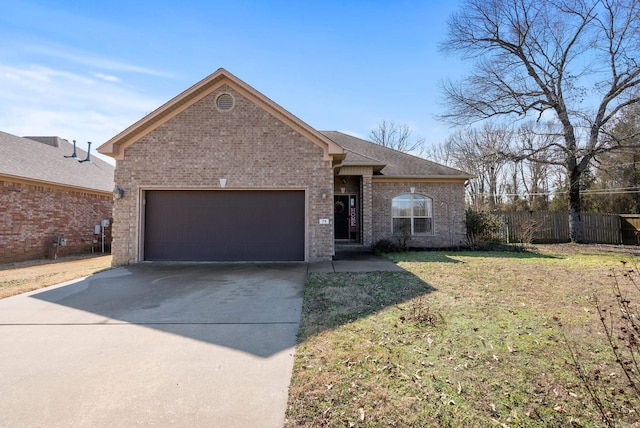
361	411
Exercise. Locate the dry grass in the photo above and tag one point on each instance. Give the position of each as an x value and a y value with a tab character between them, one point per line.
16	278
460	339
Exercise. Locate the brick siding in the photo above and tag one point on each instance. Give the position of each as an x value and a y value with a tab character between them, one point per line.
247	146
448	212
33	216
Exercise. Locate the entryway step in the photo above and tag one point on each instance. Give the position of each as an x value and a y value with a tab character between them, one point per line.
351	251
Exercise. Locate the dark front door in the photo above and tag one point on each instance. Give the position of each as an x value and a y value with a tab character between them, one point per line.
224	225
346	218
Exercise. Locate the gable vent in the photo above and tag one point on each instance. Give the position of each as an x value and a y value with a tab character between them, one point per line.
224	102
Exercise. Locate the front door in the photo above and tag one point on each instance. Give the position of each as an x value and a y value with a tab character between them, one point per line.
346	218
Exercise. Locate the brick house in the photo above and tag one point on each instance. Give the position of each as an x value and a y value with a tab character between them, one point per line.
45	196
221	172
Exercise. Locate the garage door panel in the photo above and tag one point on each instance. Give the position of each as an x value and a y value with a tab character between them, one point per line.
224	225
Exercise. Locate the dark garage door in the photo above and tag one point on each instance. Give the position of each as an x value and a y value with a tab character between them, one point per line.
224	225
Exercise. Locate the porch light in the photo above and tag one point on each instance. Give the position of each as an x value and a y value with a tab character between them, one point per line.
118	192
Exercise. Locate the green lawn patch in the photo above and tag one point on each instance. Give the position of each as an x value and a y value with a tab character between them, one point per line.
459	339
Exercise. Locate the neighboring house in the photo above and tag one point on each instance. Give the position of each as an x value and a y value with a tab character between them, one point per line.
45	196
221	172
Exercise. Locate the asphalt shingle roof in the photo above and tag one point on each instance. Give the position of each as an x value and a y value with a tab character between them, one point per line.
396	163
44	161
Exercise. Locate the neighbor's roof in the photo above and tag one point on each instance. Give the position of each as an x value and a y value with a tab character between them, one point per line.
43	161
389	162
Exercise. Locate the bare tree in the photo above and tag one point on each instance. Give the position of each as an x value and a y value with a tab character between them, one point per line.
397	137
536	170
440	153
573	62
618	174
478	151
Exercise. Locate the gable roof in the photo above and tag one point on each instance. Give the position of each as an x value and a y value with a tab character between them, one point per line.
43	161
116	145
389	162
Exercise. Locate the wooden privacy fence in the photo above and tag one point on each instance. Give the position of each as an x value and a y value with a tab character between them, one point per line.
630	229
547	227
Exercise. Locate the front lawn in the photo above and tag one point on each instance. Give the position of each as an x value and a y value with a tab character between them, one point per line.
461	339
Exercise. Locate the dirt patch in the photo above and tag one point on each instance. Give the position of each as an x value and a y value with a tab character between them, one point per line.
567	248
21	277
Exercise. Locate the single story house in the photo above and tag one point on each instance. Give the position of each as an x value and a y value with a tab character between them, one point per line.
47	198
221	172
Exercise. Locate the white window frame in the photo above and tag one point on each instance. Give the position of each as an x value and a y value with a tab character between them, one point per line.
413	197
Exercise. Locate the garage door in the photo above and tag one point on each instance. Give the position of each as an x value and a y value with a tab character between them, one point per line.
224	225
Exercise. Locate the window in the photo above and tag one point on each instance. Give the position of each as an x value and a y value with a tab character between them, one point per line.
411	214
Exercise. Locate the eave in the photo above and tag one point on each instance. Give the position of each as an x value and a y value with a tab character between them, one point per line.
53	185
116	146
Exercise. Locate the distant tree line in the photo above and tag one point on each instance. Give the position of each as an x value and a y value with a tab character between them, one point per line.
507	181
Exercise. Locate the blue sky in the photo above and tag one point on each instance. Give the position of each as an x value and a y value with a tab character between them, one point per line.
86	70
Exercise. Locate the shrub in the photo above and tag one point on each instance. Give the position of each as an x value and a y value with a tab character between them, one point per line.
621	326
483	228
386	246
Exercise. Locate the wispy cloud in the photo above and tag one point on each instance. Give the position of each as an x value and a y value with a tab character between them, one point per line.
38	100
93	61
106	77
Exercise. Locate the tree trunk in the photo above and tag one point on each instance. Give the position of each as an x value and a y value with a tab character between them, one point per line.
634	183
575	222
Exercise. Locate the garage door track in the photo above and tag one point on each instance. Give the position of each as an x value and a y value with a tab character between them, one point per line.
197	345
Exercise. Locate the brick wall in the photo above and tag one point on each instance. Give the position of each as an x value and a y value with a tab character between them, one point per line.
32	216
247	146
448	211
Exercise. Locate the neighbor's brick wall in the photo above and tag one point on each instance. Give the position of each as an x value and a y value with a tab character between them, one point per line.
448	211
31	217
247	146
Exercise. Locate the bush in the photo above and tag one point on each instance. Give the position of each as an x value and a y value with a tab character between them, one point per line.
483	228
386	246
620	322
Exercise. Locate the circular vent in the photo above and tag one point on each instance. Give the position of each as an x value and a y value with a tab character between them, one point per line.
224	102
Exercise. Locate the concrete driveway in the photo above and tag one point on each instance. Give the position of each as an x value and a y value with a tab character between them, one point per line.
197	345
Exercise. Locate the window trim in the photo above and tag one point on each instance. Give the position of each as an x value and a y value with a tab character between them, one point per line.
412	217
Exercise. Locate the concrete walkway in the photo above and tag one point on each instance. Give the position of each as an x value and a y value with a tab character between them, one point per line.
355	262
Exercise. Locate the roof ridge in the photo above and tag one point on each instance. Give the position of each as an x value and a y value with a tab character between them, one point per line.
363	155
388	148
395	160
